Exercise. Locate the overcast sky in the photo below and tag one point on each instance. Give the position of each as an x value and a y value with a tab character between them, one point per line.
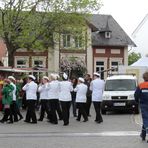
128	13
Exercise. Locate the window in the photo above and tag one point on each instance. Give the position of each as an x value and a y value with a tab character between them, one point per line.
66	40
78	41
114	65
100	68
21	64
107	35
38	63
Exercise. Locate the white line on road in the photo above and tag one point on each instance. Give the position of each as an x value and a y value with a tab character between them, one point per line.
56	134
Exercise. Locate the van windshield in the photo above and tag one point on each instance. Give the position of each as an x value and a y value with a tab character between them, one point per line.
120	85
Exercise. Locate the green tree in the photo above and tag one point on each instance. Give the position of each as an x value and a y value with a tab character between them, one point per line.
31	23
133	57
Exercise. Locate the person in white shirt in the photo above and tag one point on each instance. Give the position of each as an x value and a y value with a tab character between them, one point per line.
65	98
53	95
81	90
97	87
31	97
43	91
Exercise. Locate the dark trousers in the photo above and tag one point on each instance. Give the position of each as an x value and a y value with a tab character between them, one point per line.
14	110
74	106
31	115
44	108
65	105
7	113
54	105
143	132
81	111
97	106
88	105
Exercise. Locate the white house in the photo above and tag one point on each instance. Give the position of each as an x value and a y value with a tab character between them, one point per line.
140	36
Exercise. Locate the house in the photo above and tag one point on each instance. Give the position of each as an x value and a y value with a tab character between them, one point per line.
109	44
101	45
139	36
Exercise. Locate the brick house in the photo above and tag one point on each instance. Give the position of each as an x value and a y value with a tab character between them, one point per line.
105	46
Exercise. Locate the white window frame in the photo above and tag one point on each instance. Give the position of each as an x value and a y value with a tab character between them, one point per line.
39	58
26	59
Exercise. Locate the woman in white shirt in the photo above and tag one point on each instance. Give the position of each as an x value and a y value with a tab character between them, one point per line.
31	97
65	98
43	90
53	95
97	87
81	90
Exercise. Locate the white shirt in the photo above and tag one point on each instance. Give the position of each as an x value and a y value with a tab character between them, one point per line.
53	92
14	91
81	90
31	89
97	87
65	91
43	90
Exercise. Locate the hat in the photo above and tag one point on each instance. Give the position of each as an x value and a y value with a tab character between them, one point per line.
45	77
31	76
11	77
65	76
81	79
53	76
96	74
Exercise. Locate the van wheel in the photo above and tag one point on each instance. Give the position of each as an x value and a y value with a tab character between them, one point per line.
103	112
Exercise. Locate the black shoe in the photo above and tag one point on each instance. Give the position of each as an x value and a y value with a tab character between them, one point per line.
65	124
85	120
21	118
54	122
98	121
33	122
16	120
26	121
2	121
142	137
40	119
10	122
78	119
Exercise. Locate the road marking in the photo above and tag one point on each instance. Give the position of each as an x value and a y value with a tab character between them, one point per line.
58	134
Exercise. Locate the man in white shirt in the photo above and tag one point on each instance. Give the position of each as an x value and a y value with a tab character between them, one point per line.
97	87
31	97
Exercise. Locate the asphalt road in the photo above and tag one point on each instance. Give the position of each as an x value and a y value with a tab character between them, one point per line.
117	131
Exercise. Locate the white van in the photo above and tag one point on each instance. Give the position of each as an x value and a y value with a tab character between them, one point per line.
119	94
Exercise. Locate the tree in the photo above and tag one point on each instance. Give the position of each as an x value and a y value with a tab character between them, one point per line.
31	23
133	57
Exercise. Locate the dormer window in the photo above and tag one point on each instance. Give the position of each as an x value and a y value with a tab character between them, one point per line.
108	35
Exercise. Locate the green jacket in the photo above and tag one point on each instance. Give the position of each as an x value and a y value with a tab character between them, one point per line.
7	95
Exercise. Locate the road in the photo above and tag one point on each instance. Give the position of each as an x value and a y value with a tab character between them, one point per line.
117	131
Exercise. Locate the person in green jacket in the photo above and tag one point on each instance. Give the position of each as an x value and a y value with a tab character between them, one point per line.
7	97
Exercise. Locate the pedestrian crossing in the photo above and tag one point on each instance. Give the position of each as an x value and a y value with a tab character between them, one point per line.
61	134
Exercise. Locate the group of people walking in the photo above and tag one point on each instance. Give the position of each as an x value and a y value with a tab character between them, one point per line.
56	97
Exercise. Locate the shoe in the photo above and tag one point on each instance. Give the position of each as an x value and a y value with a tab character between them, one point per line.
54	122
2	121
21	118
40	119
16	120
142	137
33	122
26	121
85	120
10	122
98	121
78	119
65	124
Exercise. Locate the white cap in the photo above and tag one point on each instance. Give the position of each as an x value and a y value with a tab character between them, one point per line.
96	74
45	77
11	77
65	76
81	79
31	76
53	76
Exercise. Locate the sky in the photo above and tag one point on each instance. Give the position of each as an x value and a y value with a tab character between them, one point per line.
128	13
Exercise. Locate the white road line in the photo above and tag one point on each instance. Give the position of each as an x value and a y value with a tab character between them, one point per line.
101	134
